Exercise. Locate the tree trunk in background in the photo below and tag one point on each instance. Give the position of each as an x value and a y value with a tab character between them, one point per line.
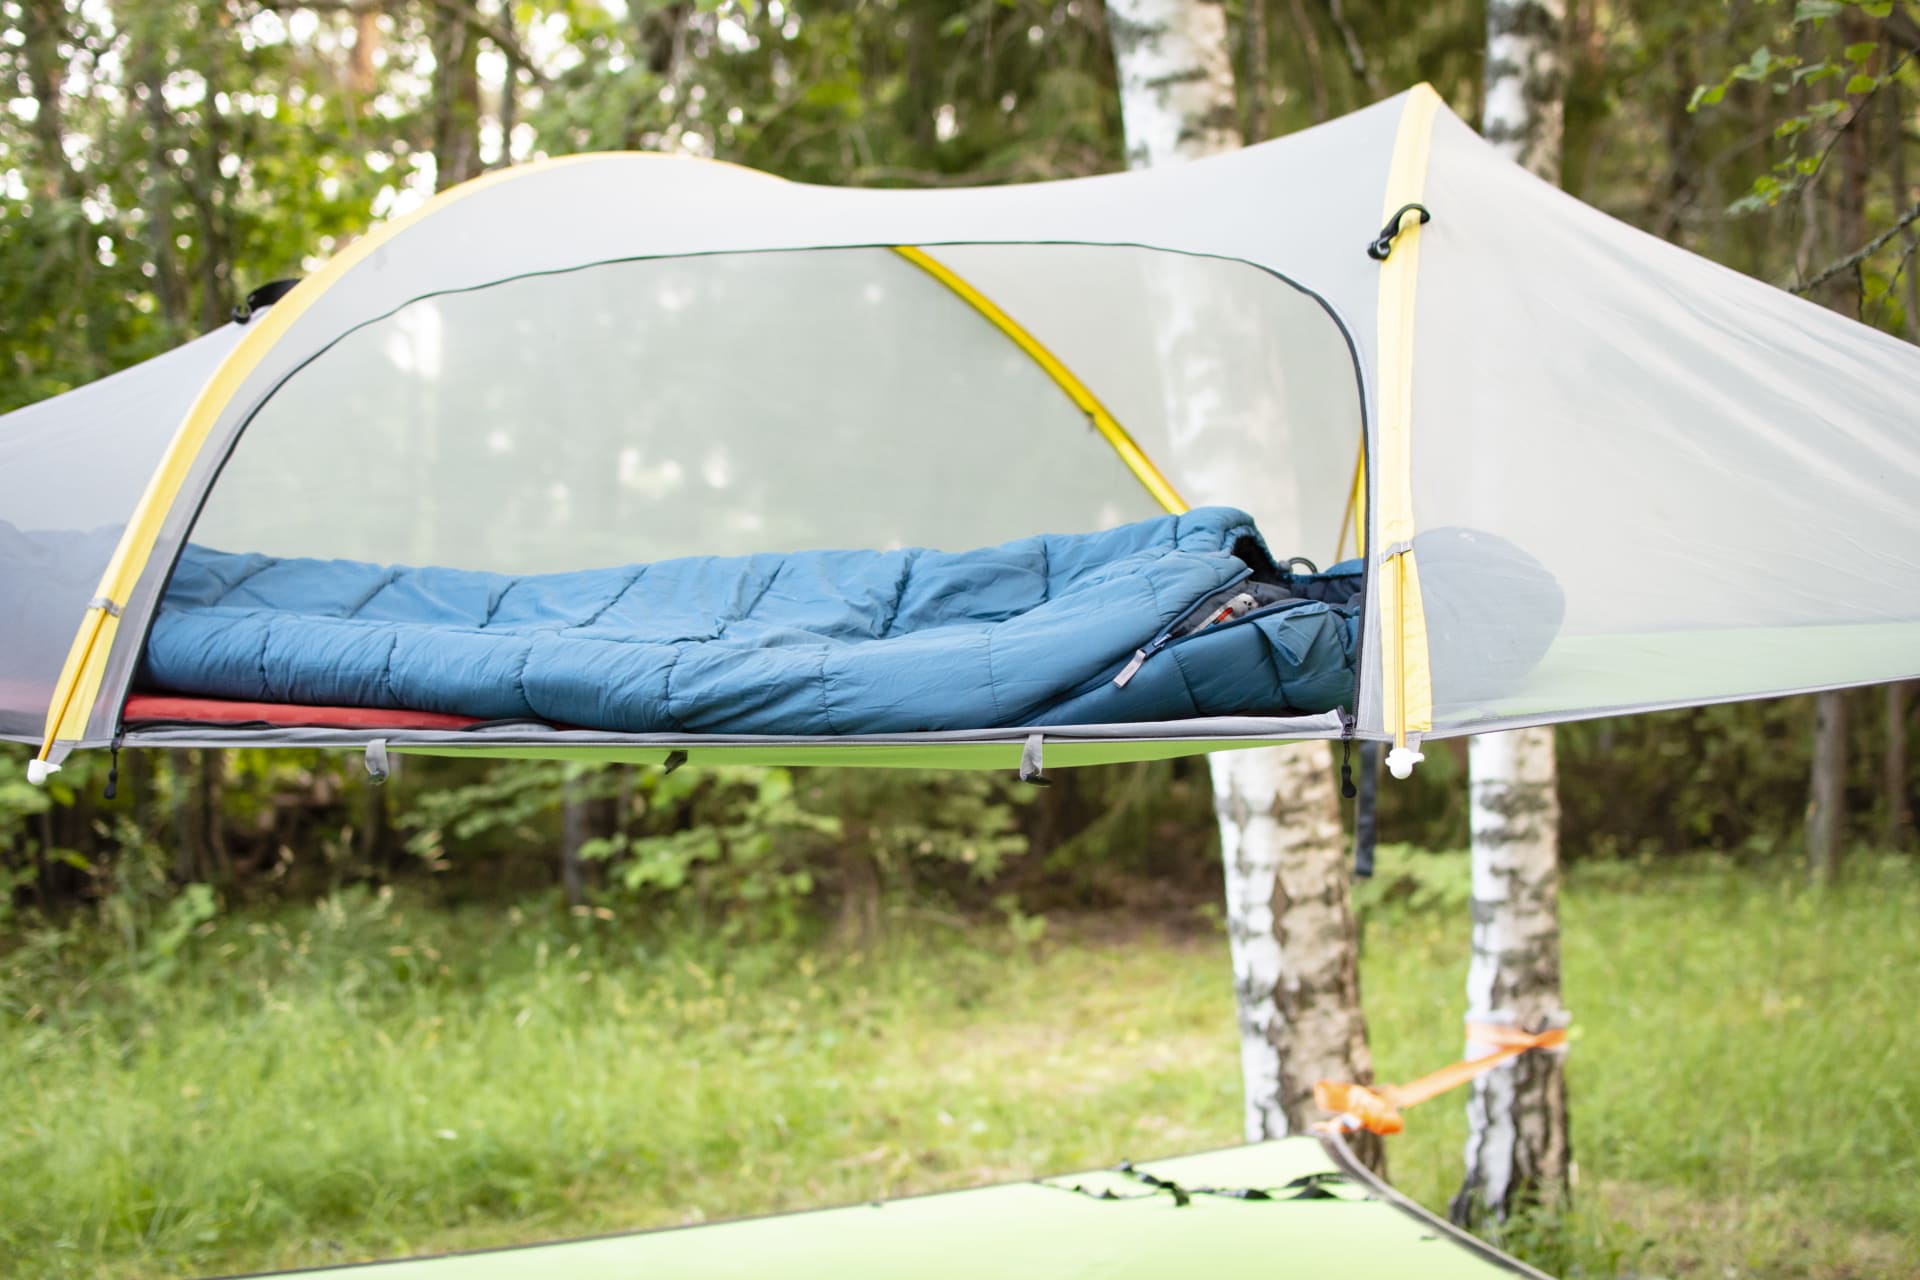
1847	230
186	842
1290	926
1176	79
1526	82
1253	83
213	811
1290	929
1517	1150
363	70
1517	1145
456	99
1827	791
573	834
1897	826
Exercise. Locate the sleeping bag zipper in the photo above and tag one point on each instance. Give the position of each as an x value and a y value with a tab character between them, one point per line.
1221	603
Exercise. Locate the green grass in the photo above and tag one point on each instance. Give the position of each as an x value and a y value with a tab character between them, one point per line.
366	1077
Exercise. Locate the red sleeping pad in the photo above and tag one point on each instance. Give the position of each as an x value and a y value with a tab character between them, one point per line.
146	708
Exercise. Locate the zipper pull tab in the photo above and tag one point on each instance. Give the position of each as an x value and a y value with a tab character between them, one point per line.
1133	666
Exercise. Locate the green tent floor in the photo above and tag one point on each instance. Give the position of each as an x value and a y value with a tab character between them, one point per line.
1325	1217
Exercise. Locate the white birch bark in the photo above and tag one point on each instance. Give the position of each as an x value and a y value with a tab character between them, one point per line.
1290	925
1517	1149
1526	82
1291	933
1176	79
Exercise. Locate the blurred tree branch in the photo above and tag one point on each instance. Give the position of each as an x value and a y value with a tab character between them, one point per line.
502	37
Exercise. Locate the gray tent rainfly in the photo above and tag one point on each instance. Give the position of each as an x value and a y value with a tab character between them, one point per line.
1586	471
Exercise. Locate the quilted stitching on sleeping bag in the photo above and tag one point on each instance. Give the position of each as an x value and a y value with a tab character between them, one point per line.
811	643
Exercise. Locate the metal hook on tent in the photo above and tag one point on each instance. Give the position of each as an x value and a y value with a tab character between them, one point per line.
265	296
1382	244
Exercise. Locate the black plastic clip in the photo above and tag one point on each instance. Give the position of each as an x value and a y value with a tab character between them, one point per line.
1382	244
674	760
265	296
113	769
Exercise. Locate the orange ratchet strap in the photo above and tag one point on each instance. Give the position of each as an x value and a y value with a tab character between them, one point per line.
1355	1106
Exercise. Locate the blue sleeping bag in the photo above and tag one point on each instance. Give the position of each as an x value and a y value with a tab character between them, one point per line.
1054	629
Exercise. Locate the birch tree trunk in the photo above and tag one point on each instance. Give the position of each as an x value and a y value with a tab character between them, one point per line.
1827	788
1290	925
1897	825
1517	1145
1176	79
1517	1150
1291	934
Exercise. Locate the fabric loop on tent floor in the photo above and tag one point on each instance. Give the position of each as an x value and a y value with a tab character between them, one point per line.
1031	763
377	766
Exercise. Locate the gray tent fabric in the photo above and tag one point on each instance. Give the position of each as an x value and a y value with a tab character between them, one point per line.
71	469
1721	480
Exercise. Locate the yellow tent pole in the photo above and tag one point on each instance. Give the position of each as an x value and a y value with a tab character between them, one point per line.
1354	515
1104	422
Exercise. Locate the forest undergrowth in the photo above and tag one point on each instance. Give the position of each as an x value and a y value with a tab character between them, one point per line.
374	1075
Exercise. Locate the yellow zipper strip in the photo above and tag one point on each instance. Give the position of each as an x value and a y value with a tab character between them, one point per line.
1407	690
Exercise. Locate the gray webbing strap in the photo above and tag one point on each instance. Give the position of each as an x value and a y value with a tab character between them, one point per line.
377	767
1030	763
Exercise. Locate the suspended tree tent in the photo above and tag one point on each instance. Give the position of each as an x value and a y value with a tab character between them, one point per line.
1583	472
1588	472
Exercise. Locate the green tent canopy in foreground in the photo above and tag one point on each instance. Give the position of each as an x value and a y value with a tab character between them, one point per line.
1318	1215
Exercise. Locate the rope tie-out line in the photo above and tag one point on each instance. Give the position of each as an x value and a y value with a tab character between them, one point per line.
1355	1106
